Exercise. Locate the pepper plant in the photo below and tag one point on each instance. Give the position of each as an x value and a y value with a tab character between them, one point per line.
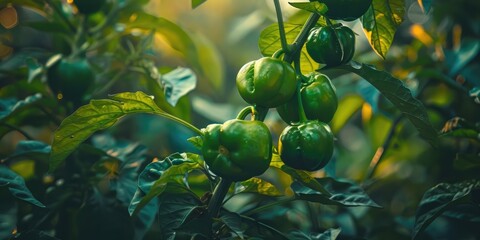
94	186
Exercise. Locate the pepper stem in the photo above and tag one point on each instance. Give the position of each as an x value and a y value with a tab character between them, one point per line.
245	111
219	194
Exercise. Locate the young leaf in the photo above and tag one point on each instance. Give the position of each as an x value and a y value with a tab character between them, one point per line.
97	115
269	43
380	23
395	91
16	186
314	7
196	3
441	198
257	185
343	193
31	149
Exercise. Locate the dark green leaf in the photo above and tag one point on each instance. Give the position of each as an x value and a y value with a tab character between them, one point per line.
380	23
35	69
146	216
196	3
97	115
269	43
439	199
31	149
466	161
174	209
463	133
396	92
425	5
314	7
8	213
306	179
330	234
174	174
475	94
16	186
257	185
343	193
245	226
8	107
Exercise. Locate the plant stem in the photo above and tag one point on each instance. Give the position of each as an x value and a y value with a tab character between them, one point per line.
264	207
25	134
379	153
245	111
260	113
219	194
281	28
60	13
301	38
182	122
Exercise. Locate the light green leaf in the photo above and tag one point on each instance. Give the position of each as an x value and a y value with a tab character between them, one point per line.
380	23
305	178
257	185
97	115
196	3
269	43
314	7
349	105
395	91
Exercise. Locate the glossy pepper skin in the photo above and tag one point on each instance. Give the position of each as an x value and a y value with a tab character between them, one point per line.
346	10
306	146
237	149
319	101
266	82
72	77
326	47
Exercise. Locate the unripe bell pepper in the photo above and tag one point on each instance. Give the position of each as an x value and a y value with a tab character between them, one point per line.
237	149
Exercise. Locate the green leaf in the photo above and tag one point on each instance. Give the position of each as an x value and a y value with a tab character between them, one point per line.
457	59
466	161
257	185
269	43
173	175
330	234
441	198
16	186
197	142
349	105
178	83
97	115
8	107
425	5
380	23
175	35
342	193
463	133
175	208
31	149
399	95
314	7
305	178
248	227
196	3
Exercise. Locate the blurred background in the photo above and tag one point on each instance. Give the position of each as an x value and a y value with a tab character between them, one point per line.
435	54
